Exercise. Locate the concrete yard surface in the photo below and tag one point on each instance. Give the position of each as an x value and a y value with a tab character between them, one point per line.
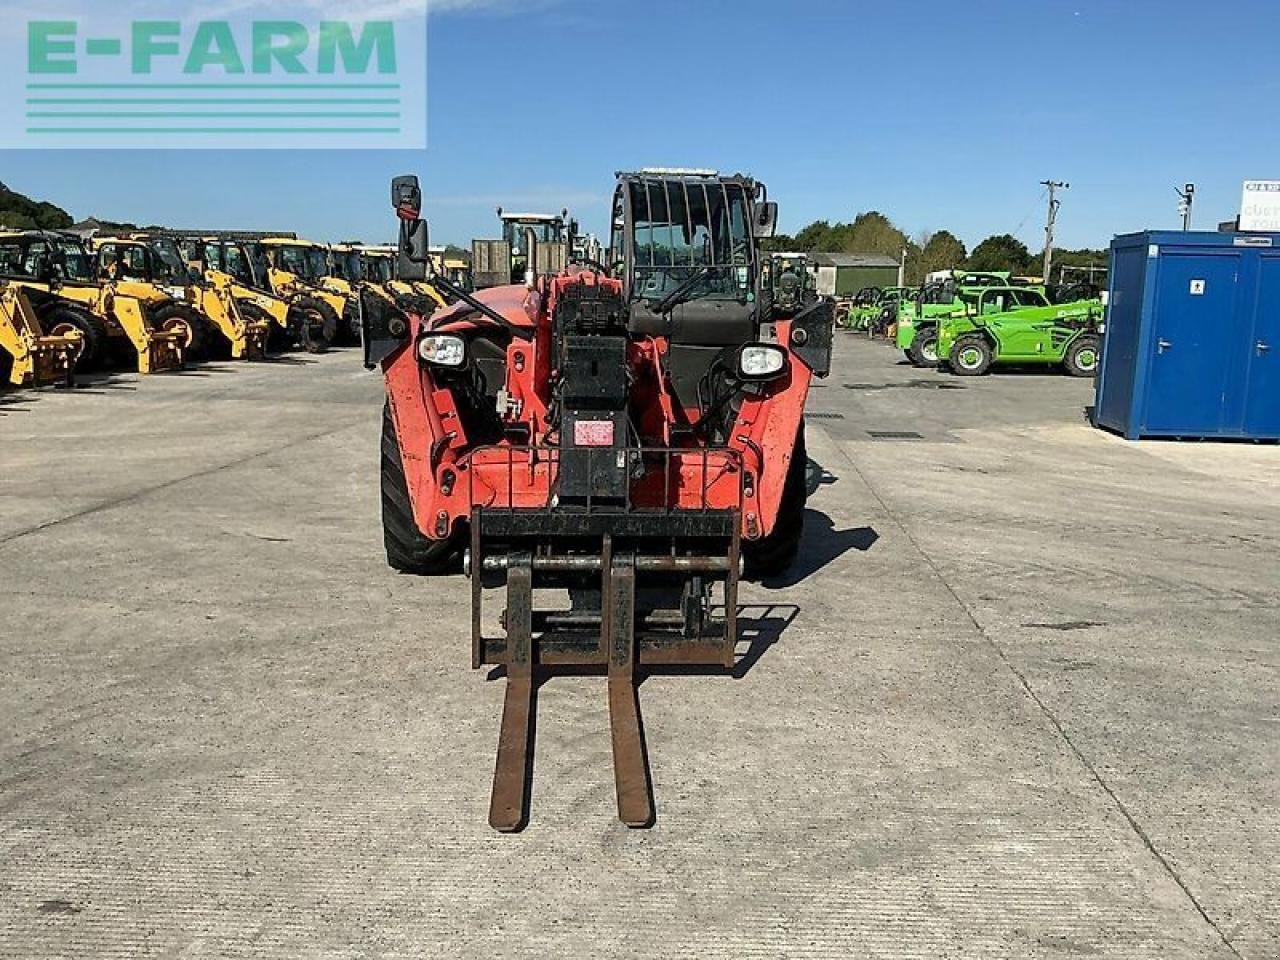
1020	697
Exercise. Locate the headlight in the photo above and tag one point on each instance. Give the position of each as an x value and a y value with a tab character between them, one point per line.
442	350
761	361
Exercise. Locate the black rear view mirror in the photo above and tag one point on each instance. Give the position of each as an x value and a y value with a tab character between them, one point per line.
415	251
406	197
766	224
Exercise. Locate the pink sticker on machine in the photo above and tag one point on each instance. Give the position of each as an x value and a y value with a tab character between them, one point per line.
593	433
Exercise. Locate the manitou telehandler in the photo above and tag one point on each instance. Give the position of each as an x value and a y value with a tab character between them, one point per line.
73	298
633	437
28	356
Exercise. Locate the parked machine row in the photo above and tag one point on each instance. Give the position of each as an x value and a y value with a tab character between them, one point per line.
156	301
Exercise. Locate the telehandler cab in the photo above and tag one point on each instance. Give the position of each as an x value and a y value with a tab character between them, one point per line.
633	437
72	297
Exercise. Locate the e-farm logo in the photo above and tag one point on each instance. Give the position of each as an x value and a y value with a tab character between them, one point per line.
278	82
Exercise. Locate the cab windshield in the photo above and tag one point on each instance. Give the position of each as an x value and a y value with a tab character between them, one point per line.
544	231
169	262
310	263
690	236
348	265
378	269
76	262
41	258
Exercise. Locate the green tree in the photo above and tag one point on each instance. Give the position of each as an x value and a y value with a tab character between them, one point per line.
23	213
942	251
873	232
1001	252
13	220
813	237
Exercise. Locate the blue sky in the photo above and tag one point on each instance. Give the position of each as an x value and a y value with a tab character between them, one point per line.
942	115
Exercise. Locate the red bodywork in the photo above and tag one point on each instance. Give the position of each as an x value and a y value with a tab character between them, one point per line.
448	473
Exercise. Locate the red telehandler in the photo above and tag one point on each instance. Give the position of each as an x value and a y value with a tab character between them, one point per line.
629	434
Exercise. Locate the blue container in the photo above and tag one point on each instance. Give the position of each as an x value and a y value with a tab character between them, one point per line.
1192	344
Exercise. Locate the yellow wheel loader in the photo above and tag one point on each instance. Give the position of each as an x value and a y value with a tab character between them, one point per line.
416	297
110	314
238	267
296	271
28	356
237	334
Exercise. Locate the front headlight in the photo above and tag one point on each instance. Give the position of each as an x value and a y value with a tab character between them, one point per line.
761	361
442	350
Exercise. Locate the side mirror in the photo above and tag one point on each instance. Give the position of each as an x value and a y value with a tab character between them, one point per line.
766	224
414	257
406	197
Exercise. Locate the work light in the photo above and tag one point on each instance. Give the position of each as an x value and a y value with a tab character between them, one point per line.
442	350
761	361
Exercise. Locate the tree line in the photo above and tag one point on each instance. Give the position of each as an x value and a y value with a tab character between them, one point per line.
18	212
873	232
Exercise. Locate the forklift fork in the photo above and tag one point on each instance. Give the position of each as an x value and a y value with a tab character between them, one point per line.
509	805
619	647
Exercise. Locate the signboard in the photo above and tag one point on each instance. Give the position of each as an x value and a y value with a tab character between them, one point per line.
1260	207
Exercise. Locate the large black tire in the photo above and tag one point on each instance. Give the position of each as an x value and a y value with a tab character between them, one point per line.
61	320
1081	359
407	549
351	333
924	348
198	332
316	324
971	356
771	556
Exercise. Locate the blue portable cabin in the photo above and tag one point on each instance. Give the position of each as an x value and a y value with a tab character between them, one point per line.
1192	344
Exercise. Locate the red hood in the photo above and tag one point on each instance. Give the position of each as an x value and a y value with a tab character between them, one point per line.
508	301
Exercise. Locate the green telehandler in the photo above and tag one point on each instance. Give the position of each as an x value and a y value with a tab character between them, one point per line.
918	320
1018	325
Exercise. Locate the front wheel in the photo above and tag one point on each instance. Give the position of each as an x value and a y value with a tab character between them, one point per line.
190	324
407	549
971	356
65	321
773	554
316	324
1082	356
924	348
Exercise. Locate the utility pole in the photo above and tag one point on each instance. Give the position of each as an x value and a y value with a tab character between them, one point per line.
1186	198
902	269
1053	187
